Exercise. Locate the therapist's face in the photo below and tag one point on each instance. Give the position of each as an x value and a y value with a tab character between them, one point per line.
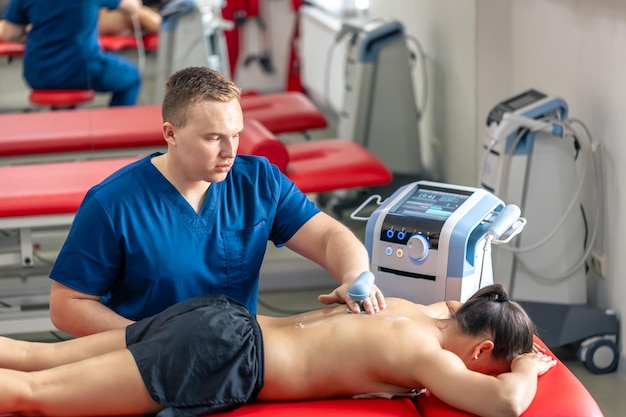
205	148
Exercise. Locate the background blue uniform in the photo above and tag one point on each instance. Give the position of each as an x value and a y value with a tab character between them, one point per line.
136	241
62	50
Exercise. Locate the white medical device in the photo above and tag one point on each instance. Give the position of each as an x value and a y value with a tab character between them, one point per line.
430	242
533	158
360	70
529	160
192	34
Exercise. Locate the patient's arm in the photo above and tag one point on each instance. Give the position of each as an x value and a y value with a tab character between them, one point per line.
80	314
508	394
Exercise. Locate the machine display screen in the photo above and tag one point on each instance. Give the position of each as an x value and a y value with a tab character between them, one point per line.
524	99
432	203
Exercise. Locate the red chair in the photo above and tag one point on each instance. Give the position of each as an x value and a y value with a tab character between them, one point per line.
61	99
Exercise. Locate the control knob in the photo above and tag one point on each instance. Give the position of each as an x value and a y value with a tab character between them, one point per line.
417	247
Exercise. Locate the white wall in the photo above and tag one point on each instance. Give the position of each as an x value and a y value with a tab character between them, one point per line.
446	31
483	51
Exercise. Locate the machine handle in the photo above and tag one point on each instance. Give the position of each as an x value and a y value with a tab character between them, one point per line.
513	231
508	223
505	219
354	215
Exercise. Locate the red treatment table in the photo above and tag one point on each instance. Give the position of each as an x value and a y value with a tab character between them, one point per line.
108	43
11	49
49	194
119	130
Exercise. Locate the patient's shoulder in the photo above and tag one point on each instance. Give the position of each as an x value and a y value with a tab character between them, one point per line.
438	310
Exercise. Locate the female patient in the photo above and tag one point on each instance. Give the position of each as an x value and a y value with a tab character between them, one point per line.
209	354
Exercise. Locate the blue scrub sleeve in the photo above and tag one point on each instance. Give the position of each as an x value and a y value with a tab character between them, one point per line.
92	250
293	210
14	13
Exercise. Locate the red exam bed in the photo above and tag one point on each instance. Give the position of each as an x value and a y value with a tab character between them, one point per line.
47	194
123	128
108	43
61	187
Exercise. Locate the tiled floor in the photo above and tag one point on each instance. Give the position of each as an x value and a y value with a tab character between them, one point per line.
286	289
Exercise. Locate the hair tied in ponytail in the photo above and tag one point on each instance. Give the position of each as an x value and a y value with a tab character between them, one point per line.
502	298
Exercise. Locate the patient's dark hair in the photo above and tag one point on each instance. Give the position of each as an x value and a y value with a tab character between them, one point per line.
491	311
191	85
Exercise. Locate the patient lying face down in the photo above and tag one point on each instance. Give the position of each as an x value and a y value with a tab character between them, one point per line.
209	354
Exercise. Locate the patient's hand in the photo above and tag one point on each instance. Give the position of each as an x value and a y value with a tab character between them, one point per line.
538	348
538	361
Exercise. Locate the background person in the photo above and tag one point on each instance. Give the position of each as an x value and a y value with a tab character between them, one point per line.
3	6
62	50
210	354
117	23
192	221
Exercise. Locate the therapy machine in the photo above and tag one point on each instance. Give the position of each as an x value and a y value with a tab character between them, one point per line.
430	242
533	158
530	160
361	71
192	34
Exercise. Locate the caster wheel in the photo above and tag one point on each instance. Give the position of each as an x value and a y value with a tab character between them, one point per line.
601	356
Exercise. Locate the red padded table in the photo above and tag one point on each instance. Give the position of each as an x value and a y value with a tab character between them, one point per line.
80	130
120	43
134	126
11	49
329	408
559	394
49	189
108	43
316	166
49	194
290	111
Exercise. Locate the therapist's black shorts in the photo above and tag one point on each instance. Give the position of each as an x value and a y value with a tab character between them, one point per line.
200	356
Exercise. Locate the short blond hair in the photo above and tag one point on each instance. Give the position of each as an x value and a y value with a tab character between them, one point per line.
188	86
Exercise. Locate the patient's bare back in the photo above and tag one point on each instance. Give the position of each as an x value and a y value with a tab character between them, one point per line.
330	352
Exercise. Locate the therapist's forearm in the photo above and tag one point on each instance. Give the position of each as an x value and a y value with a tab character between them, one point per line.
329	243
81	317
346	257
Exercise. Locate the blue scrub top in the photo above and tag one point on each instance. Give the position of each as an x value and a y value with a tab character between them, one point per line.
138	243
63	39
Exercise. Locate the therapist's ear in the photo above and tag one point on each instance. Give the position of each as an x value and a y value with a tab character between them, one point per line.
168	134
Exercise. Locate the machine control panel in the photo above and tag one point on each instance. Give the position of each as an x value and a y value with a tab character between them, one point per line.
426	242
411	229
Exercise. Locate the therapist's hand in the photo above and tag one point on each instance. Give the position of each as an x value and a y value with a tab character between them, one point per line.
372	305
